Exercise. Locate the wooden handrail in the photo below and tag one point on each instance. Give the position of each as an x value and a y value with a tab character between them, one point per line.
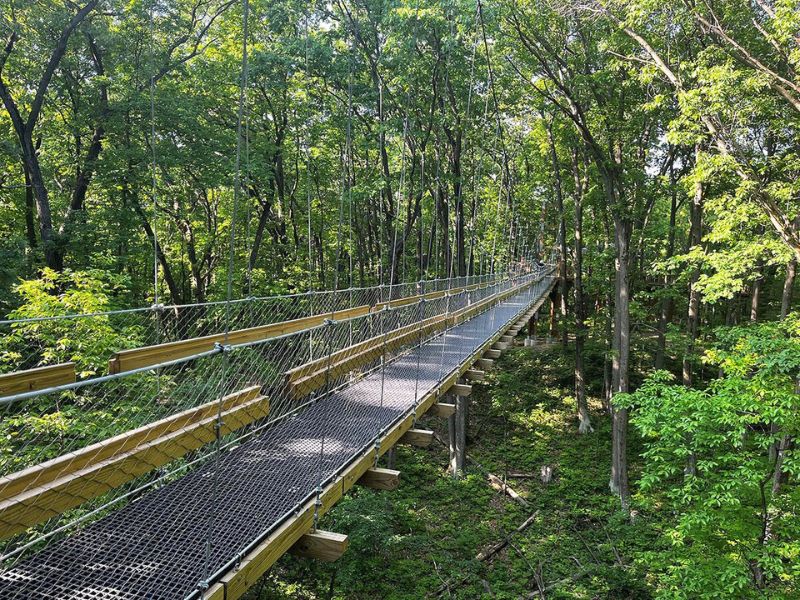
43	491
39	378
127	360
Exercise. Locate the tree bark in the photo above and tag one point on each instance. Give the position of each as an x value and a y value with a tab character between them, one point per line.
584	422
621	360
24	129
788	287
693	315
667	304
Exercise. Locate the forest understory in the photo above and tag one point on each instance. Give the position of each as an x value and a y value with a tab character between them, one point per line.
423	540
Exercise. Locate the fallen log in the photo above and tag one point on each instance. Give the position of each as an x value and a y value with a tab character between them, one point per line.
485	555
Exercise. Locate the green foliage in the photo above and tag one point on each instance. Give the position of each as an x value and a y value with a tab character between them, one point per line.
732	536
52	340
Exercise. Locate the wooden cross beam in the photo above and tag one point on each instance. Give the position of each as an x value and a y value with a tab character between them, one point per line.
421	438
321	545
475	375
485	363
380	479
462	389
443	409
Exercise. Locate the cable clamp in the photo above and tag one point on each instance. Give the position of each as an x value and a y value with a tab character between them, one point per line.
224	348
329	322
202	585
157	307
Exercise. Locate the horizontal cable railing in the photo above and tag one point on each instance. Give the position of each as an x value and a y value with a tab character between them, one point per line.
83	344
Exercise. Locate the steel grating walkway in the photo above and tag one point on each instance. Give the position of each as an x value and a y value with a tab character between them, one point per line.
156	547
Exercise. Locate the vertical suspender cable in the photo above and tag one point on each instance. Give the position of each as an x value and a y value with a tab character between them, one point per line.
237	184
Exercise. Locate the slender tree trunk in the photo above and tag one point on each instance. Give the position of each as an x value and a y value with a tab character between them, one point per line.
584	422
788	287
621	360
30	221
693	316
562	234
667	304
755	296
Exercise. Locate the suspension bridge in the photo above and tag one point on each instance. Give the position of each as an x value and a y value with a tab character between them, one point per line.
239	441
186	448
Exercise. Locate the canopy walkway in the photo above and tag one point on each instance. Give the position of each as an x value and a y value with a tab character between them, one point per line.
240	441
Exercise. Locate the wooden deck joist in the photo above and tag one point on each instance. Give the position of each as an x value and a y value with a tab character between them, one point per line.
443	409
326	546
475	375
39	493
462	389
485	363
249	570
39	378
380	479
421	438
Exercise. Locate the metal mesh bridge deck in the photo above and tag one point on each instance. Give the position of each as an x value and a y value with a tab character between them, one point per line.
167	542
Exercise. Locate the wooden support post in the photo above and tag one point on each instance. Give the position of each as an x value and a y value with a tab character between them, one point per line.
492	353
457	426
421	438
506	339
451	438
500	346
531	339
391	458
443	409
321	545
380	479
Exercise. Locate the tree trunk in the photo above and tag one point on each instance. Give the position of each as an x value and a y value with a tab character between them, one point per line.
584	422
621	360
693	316
562	234
788	287
667	304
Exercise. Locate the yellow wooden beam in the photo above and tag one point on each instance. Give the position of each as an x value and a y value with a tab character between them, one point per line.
39	378
326	546
127	360
380	479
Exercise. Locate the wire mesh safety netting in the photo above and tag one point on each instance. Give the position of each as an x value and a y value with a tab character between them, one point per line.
148	485
90	340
